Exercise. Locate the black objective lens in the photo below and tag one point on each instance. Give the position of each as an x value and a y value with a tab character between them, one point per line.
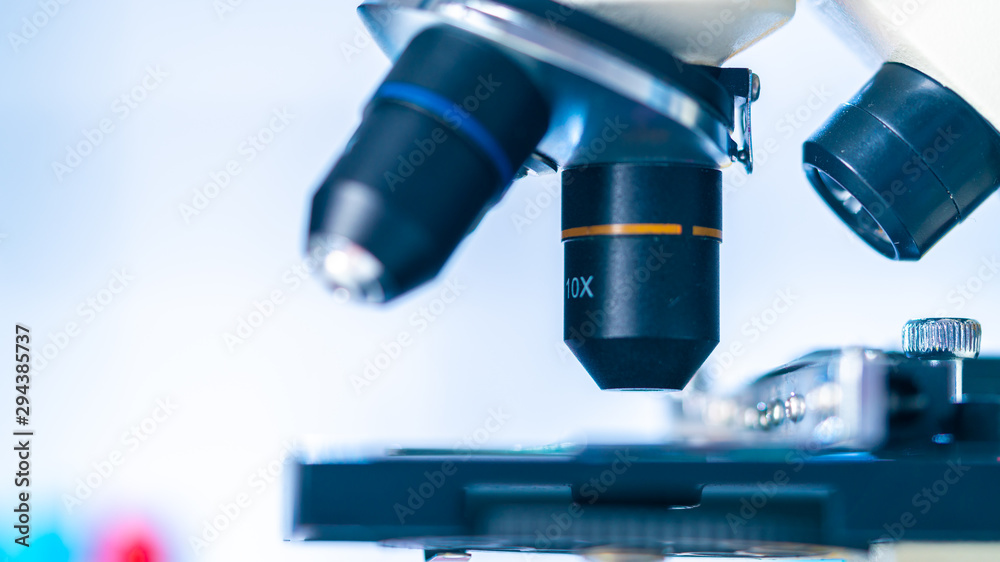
642	271
904	162
441	140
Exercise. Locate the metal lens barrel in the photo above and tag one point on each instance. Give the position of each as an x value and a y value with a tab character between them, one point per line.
642	246
443	137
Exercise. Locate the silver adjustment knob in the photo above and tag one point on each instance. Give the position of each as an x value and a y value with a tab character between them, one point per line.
942	338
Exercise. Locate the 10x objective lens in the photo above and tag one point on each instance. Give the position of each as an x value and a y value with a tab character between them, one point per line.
641	295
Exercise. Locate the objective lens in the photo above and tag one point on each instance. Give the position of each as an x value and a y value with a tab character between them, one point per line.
443	137
642	249
350	269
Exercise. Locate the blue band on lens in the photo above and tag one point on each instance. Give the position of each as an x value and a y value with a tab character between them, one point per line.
453	114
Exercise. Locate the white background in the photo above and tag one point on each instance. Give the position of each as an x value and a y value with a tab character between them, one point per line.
497	346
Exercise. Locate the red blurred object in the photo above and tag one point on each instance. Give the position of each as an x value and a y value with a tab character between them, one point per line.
130	541
137	554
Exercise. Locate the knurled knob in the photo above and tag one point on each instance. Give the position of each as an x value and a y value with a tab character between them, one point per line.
942	338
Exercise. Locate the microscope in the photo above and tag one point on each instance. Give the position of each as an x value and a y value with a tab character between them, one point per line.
630	102
626	99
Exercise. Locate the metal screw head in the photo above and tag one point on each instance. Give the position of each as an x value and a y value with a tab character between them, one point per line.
776	413
795	406
942	338
754	88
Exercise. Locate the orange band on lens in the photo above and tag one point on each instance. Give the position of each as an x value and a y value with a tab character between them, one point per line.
639	229
709	232
624	229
